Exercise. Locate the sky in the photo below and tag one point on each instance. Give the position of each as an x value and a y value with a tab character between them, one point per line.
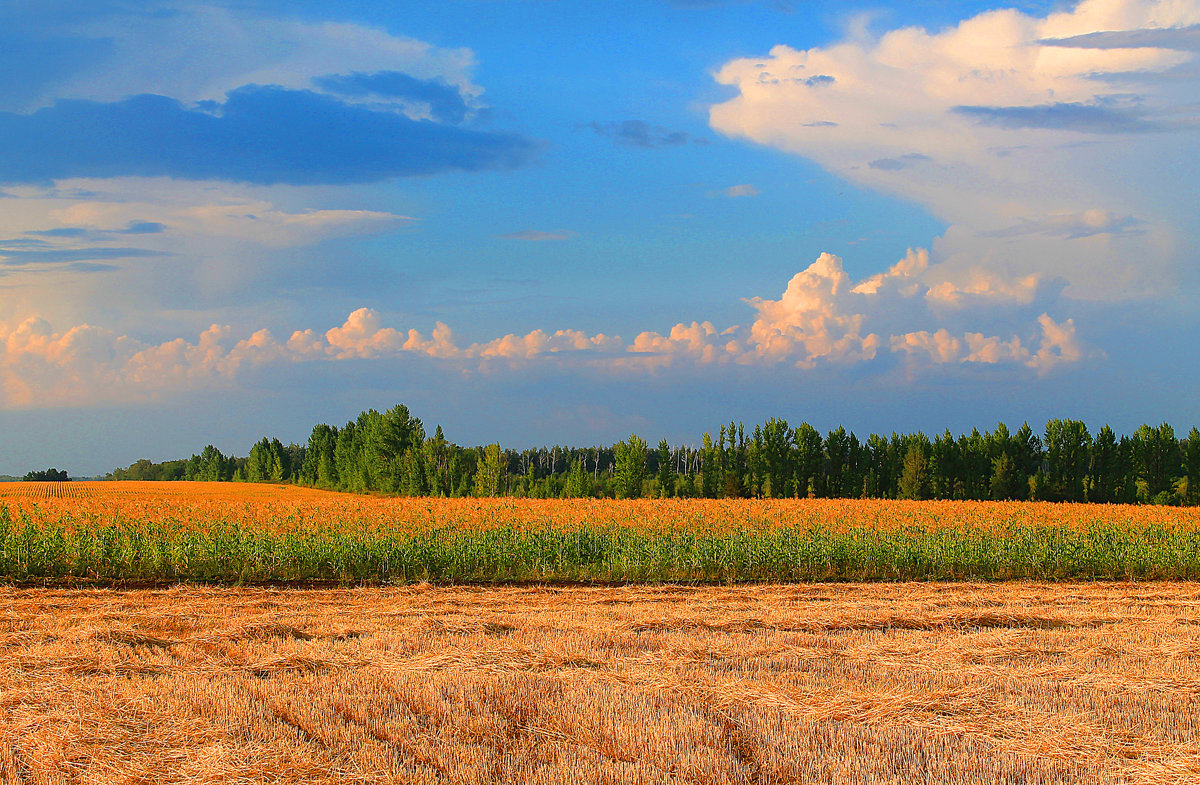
561	222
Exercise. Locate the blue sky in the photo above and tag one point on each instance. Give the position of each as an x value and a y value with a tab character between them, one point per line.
555	221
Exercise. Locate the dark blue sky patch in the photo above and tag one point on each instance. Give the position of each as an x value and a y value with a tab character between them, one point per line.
1085	118
638	133
1185	39
24	242
143	227
900	162
90	267
13	256
31	66
64	231
445	102
261	135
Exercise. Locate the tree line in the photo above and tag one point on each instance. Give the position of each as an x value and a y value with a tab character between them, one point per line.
391	453
47	475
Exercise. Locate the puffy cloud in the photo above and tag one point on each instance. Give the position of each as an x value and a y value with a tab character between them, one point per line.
363	336
1058	344
698	341
86	365
540	342
813	320
984	286
998	122
823	318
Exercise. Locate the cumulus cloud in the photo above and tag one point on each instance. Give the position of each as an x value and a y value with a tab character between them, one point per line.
823	318
996	123
1057	345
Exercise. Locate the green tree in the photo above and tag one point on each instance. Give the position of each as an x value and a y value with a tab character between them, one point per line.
666	477
710	467
914	480
1105	480
1068	459
210	466
492	471
944	466
578	483
258	463
1006	482
1158	460
319	466
1191	465
629	467
438	456
736	462
837	457
975	466
776	446
809	460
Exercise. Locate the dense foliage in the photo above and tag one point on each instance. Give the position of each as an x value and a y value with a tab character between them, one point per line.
390	453
48	475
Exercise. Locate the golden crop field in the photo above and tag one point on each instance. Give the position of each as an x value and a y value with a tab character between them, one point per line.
832	683
161	533
391	679
287	506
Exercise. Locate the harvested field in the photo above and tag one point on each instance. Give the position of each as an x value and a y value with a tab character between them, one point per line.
830	683
161	533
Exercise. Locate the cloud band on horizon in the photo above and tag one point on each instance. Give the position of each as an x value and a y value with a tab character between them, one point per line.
822	319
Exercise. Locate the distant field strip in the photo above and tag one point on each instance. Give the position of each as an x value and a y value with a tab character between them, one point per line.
939	684
222	532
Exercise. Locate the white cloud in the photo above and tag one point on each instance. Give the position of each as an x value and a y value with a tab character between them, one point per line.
185	210
198	53
1000	132
72	250
822	319
812	320
1058	344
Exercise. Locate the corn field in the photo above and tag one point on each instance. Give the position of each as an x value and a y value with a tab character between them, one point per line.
253	533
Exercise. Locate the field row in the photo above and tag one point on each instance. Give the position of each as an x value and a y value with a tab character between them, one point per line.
218	532
287	508
33	549
961	684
